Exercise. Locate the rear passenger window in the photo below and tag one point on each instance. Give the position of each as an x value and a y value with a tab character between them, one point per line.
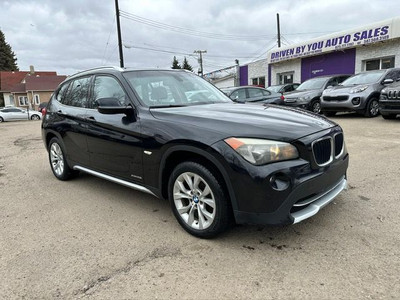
78	92
255	93
61	94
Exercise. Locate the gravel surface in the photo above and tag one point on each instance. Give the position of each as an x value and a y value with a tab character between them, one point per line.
91	239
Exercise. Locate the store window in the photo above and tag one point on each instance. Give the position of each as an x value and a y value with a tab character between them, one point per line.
259	81
23	100
285	78
379	63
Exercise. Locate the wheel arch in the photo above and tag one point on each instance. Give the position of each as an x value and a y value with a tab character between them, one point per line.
181	153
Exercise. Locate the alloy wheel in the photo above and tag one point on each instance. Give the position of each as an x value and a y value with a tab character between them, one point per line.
57	159
194	200
374	108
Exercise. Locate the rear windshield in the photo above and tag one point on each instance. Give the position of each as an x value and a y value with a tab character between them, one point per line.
274	88
312	84
364	78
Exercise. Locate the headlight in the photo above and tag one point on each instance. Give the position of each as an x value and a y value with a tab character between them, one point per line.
260	152
306	98
358	89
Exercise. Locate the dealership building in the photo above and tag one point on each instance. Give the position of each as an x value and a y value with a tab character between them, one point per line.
372	47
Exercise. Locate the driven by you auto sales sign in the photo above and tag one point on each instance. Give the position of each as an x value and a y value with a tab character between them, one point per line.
357	37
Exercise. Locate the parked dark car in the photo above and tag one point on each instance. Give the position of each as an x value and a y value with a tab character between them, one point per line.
389	102
41	106
359	93
283	88
307	95
217	161
244	94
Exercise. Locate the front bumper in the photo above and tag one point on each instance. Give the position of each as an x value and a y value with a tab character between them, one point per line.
351	102
389	106
284	192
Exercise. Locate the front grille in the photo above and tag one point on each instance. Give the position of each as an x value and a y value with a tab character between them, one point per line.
394	95
322	150
339	144
336	98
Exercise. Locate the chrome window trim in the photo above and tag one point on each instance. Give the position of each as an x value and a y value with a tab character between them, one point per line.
332	150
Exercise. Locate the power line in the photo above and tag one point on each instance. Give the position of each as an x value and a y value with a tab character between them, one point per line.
192	32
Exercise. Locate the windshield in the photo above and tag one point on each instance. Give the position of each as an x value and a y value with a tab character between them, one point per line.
364	78
312	84
274	88
171	88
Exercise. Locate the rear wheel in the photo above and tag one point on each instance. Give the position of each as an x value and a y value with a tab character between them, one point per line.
1	120
315	107
198	201
329	113
372	109
35	117
389	116
57	160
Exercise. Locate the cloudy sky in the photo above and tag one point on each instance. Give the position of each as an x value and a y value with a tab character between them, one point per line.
71	35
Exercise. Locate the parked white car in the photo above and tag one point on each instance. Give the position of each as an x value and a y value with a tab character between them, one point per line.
16	113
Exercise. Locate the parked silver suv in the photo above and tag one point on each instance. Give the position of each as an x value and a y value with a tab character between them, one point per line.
359	93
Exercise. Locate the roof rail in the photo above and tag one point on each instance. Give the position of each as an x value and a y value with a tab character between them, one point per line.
98	68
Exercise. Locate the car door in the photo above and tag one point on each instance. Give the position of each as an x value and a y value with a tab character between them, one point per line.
19	114
69	105
114	141
255	95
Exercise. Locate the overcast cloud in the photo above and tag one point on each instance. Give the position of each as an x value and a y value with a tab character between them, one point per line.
69	36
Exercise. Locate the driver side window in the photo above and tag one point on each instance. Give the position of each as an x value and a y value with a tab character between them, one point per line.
108	87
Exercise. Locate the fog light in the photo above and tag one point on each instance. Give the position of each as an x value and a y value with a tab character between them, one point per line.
279	182
356	101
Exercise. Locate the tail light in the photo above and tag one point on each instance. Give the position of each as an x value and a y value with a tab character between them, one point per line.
44	111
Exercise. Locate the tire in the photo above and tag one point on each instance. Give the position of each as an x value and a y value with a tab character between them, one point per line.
1	120
329	113
372	108
389	116
35	117
58	163
315	106
189	185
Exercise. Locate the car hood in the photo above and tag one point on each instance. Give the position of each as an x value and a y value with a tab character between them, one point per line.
246	120
304	93
343	89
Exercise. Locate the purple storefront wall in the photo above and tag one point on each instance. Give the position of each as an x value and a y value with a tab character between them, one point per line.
244	75
338	62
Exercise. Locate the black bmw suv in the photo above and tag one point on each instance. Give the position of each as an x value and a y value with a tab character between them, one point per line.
172	134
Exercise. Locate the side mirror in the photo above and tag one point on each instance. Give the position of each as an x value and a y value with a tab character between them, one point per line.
111	106
329	87
387	81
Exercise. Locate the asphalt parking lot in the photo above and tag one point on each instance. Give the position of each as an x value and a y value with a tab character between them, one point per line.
89	238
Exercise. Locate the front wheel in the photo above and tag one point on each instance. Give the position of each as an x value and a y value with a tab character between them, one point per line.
315	107
372	109
1	120
35	117
198	200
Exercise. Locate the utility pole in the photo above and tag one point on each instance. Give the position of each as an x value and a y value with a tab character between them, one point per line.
279	30
200	52
121	54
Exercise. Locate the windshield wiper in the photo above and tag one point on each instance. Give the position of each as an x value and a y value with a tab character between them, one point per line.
167	105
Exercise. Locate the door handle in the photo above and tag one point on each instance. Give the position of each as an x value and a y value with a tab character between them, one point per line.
90	119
